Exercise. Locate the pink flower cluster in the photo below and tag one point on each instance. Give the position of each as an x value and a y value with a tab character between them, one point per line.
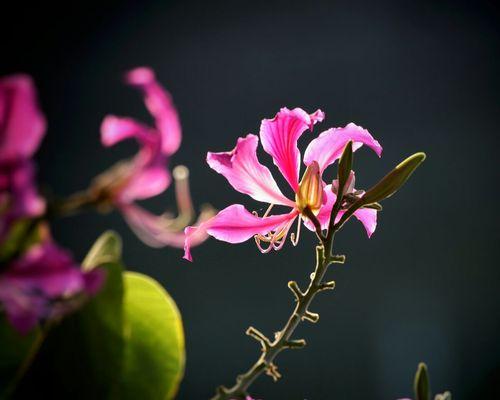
146	174
244	172
43	282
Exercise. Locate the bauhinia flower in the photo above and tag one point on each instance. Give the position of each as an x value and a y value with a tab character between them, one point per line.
147	174
312	196
44	284
22	127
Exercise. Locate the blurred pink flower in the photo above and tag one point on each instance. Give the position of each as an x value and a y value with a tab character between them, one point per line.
43	284
146	174
244	172
22	127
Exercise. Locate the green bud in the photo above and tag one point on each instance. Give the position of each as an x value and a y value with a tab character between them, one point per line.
421	383
345	166
387	186
391	183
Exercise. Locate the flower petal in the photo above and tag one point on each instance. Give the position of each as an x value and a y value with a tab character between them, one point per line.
115	129
22	124
368	217
329	145
279	138
154	229
244	172
160	105
146	175
235	224
146	183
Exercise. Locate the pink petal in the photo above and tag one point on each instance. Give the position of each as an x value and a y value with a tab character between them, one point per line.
146	175
146	183
22	124
242	169
279	138
367	216
329	145
115	129
160	105
235	224
153	229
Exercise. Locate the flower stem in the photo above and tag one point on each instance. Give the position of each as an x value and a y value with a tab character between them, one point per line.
282	341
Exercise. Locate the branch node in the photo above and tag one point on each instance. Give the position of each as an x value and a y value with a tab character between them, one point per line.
260	337
222	390
294	344
311	317
294	287
272	371
327	286
337	259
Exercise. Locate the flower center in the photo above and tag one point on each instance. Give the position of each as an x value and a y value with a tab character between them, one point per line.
310	193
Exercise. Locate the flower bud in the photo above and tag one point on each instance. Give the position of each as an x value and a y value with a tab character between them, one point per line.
421	384
310	193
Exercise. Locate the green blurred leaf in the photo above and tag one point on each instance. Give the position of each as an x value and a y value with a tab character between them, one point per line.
15	350
154	351
421	385
82	356
21	235
106	249
125	343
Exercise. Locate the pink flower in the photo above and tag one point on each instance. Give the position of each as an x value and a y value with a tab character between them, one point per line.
146	174
43	284
247	175
22	126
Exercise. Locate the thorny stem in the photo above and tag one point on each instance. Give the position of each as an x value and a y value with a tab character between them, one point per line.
282	341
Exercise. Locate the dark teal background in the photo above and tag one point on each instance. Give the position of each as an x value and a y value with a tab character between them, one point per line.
421	76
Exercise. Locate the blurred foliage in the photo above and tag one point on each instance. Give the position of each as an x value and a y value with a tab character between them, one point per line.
125	343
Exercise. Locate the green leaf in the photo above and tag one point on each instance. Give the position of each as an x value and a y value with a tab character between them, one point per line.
15	353
106	249
82	356
421	385
154	350
21	235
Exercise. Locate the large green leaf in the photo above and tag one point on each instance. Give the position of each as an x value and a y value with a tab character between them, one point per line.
154	350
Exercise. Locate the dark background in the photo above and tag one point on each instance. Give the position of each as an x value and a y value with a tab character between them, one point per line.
419	75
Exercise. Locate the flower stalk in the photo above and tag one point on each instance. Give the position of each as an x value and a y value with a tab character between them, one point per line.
301	312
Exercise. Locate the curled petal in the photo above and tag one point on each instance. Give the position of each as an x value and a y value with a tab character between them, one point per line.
328	146
155	230
160	105
146	183
367	216
279	138
235	224
115	129
144	176
244	172
22	124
